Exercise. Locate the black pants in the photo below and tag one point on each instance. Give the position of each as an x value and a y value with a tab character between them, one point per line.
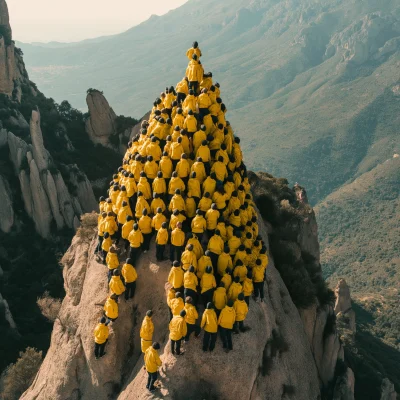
226	337
199	236
99	349
99	243
207	167
259	289
180	97
207	297
209	341
104	253
203	112
214	259
146	241
239	325
192	328
134	254
151	380
175	251
247	300
176	346
130	290
160	248
192	293
194	86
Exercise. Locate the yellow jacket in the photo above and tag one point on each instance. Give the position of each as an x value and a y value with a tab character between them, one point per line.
204	153
234	291
126	229
112	260
100	333
182	87
177	203
198	167
157	203
190	281
159	186
179	120
135	238
197	248
216	245
227	281
191	314
203	262
175	277
212	218
176	183
141	204
194	72
178	237
248	287
220	170
176	151
204	101
145	224
162	236
147	329
222	230
152	360
264	260
144	187
209	321
190	123
189	103
176	305
183	168
154	150
111	308
204	204
166	166
258	273
227	318
116	286
234	203
224	262
190	207
198	138
188	258
241	310
209	186
234	243
107	243
219	298
129	273
110	225
190	52
206	83
207	282
177	328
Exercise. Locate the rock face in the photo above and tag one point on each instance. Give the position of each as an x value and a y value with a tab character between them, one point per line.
344	388
387	390
101	124
343	305
6	208
273	355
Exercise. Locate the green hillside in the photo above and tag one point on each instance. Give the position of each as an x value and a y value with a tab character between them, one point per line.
313	84
360	241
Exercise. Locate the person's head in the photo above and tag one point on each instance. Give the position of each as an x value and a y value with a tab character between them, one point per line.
150	158
179	111
213	206
242	247
207	195
193	175
175	212
236	213
164	225
135	227
191	92
199	159
116	272
191	268
114	297
183	313
239	263
258	262
139	193
156	346
241	296
176	263
228	271
237	279
149	313
195	45
106	235
213	176
103	320
144	212
184	156
190	247
178	295
221	284
174	174
217	232
129	218
249	274
210	306
178	192
204	143
189	300
179	140
179	225
207	253
209	270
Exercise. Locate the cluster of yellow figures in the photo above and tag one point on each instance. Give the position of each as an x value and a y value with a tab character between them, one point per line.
183	179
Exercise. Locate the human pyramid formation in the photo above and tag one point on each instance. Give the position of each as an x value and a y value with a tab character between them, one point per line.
183	179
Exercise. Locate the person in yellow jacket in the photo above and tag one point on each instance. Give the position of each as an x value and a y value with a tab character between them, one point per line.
226	322
258	280
207	284
159	185
190	205
203	102
234	243
153	150
194	73
190	123
186	144
241	309
199	137
203	262
190	282
210	325
224	262
144	186
216	247
212	216
179	119
166	166
112	261
116	285
176	152
219	169
200	170
197	248
188	258
176	304
126	230
224	154
219	298
124	211
146	331
130	276
191	318
110	225
182	90
205	202
152	362
106	246
177	331
146	229
175	183
111	307
193	50
141	204
210	184
190	102
207	82
221	225
203	152
100	334
235	289
100	230
161	239
177	243
194	187
157	203
177	202
183	169
227	279
176	276
135	240
248	287
240	270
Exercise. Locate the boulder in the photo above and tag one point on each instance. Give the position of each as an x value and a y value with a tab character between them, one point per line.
343	304
102	121
64	200
387	390
344	387
52	194
85	193
6	209
26	191
18	149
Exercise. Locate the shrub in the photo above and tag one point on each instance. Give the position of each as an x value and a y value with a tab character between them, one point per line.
19	376
88	227
49	306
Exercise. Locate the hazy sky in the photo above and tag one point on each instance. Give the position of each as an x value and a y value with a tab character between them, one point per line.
72	20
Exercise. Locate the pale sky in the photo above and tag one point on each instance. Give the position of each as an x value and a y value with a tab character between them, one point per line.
73	20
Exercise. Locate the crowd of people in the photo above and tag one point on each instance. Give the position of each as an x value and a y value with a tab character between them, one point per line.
184	183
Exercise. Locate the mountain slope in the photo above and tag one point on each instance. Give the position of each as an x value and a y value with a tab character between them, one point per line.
310	81
360	239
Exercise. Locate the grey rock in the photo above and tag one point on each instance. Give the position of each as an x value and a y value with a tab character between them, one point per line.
387	390
344	387
6	208
40	154
64	201
18	149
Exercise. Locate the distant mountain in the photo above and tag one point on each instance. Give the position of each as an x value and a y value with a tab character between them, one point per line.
314	84
360	240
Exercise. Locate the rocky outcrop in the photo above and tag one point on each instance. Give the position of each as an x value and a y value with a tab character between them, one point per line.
344	387
101	124
6	208
387	390
343	307
40	154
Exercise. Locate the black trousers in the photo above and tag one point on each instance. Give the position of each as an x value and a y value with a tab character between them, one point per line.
175	251
203	112
176	346
258	289
207	297
130	290
247	300
99	349
194	85
99	243
180	97
190	329
192	293
226	337
146	241
214	259
110	274
134	254
160	248
209	340
239	325
151	380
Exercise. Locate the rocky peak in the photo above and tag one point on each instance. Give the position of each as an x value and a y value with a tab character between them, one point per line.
343	309
5	28
101	124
